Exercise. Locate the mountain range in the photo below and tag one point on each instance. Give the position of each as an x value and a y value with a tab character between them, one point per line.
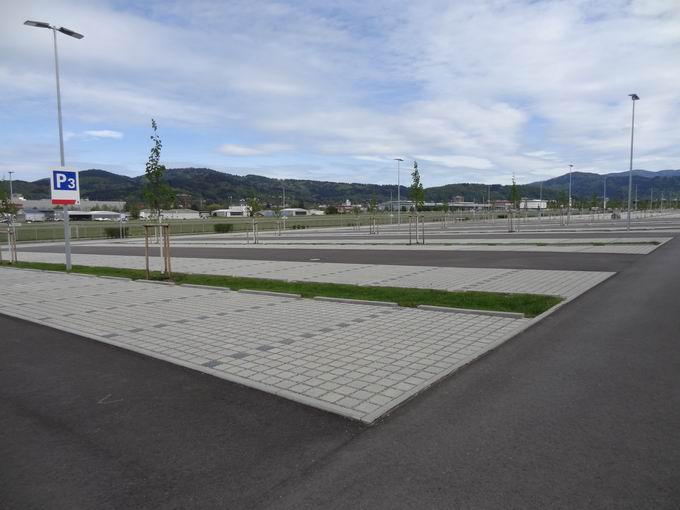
203	186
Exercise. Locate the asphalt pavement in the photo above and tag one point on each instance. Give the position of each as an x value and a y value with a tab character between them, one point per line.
579	411
442	258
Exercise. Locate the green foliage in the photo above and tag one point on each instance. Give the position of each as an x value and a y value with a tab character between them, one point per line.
254	204
331	209
223	228
373	205
115	232
132	208
6	205
157	193
417	193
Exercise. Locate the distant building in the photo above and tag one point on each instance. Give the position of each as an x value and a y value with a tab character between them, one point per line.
180	214
533	203
44	204
171	214
294	211
94	216
237	210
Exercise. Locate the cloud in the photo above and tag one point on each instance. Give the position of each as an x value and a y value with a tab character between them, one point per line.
254	150
487	88
104	133
459	161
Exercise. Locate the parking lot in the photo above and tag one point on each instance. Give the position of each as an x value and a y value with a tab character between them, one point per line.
397	369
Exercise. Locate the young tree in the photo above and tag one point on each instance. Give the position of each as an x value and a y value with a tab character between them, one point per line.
373	205
514	194
417	194
132	208
253	204
7	208
157	193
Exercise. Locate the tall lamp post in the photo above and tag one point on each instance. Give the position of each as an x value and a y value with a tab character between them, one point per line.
10	186
633	97
76	35
604	197
398	160
569	199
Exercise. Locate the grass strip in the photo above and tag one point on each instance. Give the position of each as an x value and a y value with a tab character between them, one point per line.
530	305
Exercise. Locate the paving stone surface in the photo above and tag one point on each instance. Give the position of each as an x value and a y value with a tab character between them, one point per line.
359	361
567	284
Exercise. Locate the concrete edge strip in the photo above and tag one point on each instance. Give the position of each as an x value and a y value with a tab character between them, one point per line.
355	301
471	311
270	293
119	278
197	286
155	282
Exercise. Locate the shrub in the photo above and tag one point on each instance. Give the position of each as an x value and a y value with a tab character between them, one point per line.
114	232
222	228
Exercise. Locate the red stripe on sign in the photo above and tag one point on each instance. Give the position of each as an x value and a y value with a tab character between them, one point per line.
62	202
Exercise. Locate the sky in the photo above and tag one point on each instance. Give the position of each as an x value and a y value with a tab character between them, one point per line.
475	91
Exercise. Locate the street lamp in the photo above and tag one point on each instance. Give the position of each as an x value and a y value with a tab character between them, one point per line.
398	160
569	204
76	35
604	197
10	186
633	97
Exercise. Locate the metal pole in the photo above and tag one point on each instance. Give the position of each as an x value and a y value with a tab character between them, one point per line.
10	186
398	160
604	196
634	97
67	227
569	200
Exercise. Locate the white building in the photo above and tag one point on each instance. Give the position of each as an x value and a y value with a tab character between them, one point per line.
171	214
85	204
533	203
294	211
237	210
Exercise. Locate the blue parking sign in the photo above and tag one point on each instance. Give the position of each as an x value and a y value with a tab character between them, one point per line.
65	186
64	180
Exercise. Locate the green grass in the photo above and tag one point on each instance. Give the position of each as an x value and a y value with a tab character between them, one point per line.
530	305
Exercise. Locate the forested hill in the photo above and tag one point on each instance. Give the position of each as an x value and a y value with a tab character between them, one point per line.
206	186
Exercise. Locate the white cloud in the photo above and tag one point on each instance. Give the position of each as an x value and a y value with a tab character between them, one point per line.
254	150
104	133
486	87
459	161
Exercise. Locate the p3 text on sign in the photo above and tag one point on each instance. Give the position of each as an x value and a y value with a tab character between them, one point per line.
65	186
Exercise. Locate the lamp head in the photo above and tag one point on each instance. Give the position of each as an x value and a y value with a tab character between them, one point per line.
39	24
634	97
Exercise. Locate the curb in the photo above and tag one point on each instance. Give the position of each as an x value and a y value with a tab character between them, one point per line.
197	286
471	311
270	293
155	282
356	301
